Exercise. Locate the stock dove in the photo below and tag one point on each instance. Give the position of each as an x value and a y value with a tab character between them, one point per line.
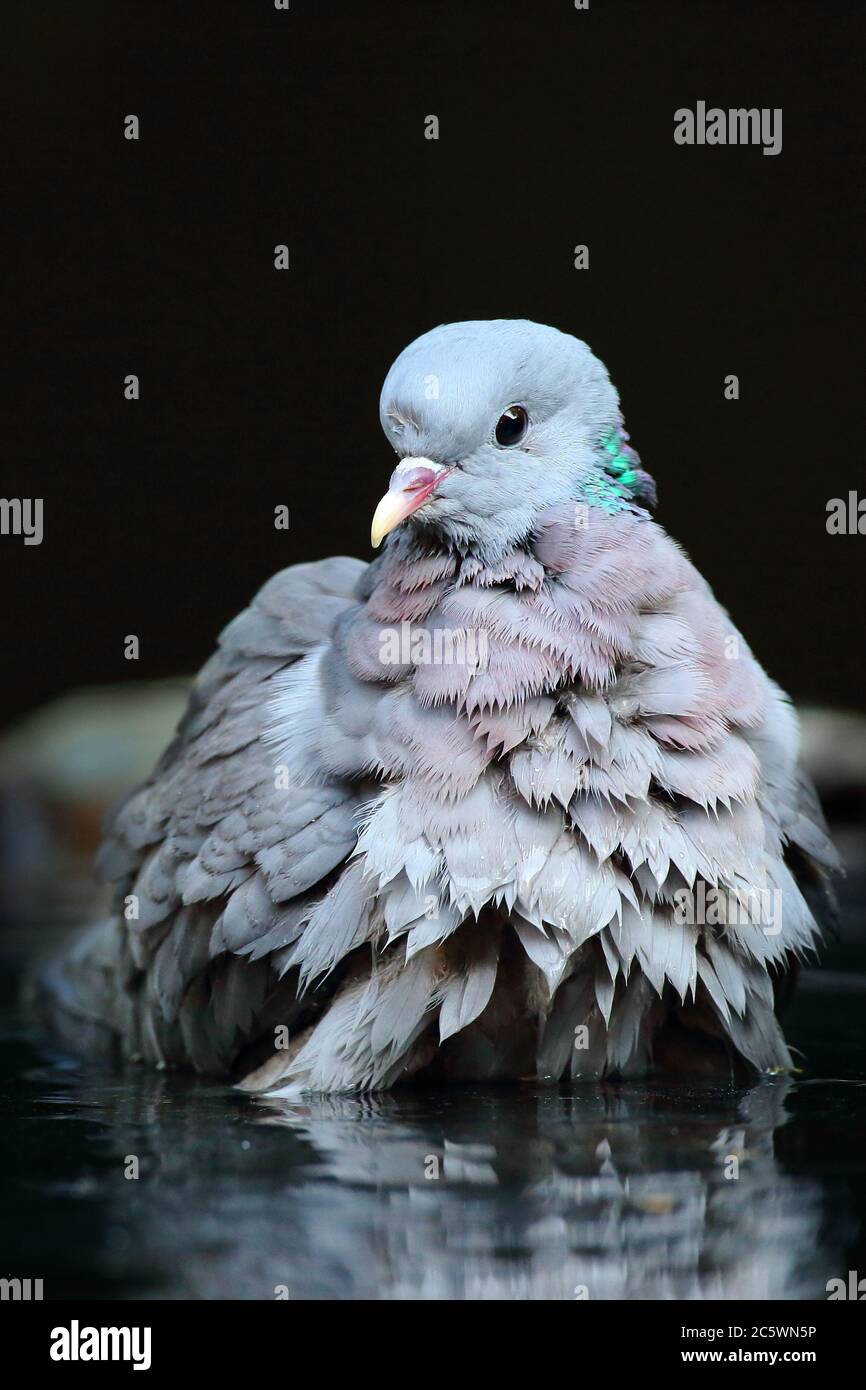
513	800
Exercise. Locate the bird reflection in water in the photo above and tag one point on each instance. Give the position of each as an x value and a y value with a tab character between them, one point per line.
523	1192
613	1193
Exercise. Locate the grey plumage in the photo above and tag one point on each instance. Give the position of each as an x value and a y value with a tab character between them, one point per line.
456	808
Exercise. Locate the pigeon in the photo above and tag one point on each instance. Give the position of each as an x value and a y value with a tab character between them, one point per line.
515	800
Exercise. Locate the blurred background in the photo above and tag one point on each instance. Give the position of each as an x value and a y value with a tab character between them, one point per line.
259	388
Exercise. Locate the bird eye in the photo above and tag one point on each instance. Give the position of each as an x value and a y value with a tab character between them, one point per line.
511	426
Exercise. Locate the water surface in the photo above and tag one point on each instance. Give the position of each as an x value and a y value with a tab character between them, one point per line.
622	1191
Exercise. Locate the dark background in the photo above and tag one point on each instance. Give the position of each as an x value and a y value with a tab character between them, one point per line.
260	387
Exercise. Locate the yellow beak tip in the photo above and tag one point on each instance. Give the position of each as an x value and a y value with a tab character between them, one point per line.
390	512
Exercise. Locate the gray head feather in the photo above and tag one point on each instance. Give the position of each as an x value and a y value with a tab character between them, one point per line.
443	397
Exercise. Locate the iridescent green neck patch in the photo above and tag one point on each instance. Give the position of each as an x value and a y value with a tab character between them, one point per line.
617	465
598	490
620	483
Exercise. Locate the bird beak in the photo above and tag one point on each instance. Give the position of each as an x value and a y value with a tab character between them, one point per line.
412	482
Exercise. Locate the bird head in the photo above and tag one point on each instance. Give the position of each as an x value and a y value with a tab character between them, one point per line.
495	422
